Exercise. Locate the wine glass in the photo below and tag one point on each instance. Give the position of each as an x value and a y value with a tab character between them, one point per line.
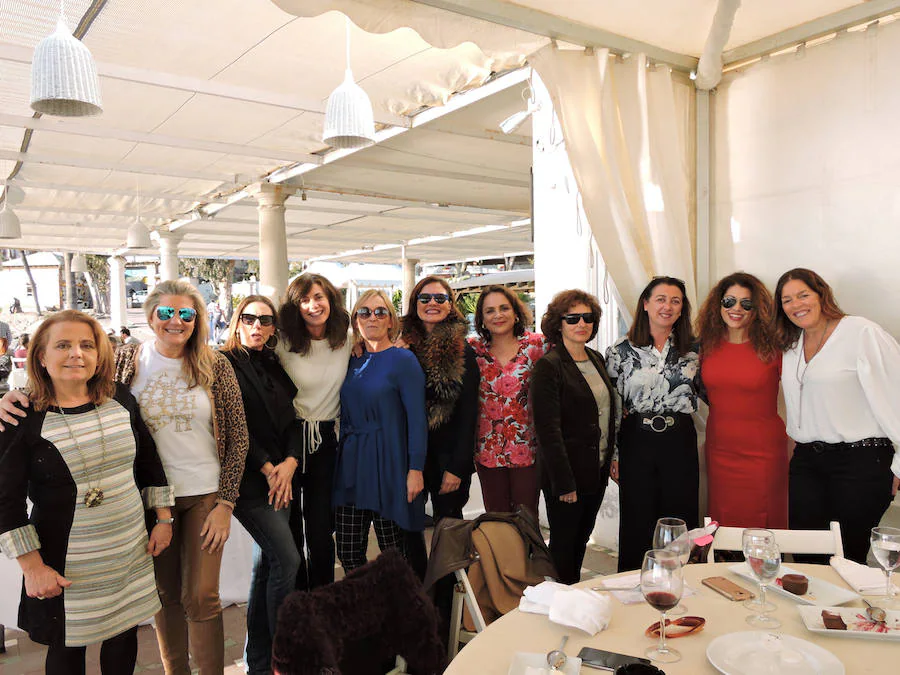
753	537
764	559
671	534
886	549
662	582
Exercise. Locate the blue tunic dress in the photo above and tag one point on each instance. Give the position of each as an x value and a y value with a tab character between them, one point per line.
384	434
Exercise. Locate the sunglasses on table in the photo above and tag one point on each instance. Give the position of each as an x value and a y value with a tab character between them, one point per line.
439	298
365	312
186	314
573	319
730	301
265	320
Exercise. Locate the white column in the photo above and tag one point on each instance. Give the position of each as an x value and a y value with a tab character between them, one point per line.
273	259
408	278
117	310
168	255
70	281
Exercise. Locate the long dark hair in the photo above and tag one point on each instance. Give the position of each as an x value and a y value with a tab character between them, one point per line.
411	324
523	314
786	332
639	333
294	327
711	330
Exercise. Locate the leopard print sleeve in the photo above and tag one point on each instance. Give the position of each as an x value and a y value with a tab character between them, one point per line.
231	429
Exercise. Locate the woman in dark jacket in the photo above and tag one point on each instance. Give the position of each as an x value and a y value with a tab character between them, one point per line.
573	403
264	504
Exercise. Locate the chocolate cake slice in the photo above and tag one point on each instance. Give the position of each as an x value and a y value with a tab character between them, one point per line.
833	620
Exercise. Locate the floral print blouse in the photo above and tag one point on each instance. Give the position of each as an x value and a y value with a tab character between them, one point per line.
505	437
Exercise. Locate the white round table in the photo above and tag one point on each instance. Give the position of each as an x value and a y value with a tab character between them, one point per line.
492	651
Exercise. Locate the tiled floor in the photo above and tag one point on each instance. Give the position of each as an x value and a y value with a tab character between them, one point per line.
24	657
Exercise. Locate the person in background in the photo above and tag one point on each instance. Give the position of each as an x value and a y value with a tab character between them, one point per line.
740	367
655	369
126	337
574	408
383	435
841	380
21	350
5	337
264	503
506	353
85	460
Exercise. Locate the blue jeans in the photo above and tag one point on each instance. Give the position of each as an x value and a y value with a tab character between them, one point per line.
275	565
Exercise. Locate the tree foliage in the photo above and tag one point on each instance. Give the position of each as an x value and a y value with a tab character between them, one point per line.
217	271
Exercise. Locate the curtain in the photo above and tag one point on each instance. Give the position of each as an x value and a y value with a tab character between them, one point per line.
624	128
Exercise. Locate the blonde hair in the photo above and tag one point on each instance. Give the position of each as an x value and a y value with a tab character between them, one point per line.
394	329
198	358
101	385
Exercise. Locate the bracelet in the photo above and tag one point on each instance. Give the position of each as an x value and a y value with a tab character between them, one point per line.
165	521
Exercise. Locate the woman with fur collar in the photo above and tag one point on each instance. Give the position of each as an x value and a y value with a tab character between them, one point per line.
435	332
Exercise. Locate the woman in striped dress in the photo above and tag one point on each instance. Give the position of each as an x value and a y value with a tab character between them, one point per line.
87	462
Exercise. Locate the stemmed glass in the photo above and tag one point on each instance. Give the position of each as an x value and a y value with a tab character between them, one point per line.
662	582
753	537
886	549
671	534
764	559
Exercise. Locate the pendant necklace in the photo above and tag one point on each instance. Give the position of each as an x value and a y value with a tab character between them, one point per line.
94	495
801	358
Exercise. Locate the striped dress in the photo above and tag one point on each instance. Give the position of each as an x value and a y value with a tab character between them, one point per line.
105	553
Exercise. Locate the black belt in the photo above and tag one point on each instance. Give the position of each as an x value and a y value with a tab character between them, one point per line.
822	446
659	422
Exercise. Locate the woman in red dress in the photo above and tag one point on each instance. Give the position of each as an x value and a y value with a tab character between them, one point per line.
746	443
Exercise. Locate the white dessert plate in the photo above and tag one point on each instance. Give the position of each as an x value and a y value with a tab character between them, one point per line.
527	663
858	626
758	652
820	593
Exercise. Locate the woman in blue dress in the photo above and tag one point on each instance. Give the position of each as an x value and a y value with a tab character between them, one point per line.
383	438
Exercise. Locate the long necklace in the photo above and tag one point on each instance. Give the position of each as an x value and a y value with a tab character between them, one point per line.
94	495
801	357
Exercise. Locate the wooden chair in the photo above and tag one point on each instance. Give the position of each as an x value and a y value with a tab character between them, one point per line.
822	542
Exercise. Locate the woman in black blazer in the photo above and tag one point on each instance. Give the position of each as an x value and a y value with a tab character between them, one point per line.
573	403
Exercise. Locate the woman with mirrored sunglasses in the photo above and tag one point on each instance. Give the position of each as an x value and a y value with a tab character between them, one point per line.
655	369
264	502
574	408
746	444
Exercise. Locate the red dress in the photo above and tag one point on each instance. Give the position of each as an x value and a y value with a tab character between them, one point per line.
746	444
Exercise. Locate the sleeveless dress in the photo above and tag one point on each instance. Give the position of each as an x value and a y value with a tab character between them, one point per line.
746	443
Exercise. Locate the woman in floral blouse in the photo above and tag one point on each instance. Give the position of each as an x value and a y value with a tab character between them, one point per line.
505	352
655	369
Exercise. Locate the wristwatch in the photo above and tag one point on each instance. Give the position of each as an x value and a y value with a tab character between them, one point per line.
165	521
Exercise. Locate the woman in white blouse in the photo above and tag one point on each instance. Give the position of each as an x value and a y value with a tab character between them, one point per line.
841	381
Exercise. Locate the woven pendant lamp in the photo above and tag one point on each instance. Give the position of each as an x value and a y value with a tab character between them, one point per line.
9	224
63	76
349	121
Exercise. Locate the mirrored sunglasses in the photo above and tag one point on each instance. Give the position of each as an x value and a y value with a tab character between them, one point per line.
186	314
365	312
573	319
730	301
439	298
265	320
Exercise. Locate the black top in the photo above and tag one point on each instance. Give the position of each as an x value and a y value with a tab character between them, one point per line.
451	445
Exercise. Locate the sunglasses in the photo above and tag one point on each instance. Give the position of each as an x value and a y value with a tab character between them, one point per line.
439	298
365	312
265	320
186	314
730	301
573	319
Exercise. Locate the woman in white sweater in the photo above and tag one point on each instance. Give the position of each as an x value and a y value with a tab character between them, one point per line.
841	381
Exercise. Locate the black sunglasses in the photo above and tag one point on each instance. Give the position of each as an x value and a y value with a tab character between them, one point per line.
186	314
573	319
439	298
730	301
265	320
365	312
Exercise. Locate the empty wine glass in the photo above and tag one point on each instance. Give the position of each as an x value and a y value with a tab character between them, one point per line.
671	534
662	582
886	549
764	559
753	537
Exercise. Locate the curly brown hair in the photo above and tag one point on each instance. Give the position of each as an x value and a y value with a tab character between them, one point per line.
411	327
551	322
233	341
711	329
786	332
293	327
523	314
639	333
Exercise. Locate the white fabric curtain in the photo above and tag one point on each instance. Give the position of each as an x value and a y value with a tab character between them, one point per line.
624	125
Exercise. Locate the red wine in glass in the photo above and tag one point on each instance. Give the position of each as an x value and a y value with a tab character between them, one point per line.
661	601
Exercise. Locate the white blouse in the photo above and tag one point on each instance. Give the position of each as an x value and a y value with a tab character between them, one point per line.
849	391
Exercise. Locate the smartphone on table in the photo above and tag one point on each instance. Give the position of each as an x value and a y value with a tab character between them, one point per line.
604	660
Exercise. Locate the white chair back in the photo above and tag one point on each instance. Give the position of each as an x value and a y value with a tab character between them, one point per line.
825	542
463	593
18	378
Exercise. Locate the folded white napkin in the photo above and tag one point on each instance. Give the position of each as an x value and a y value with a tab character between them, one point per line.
861	578
585	610
633	582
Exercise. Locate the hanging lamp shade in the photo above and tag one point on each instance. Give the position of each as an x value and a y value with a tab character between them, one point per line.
63	76
9	224
79	264
349	121
13	195
138	235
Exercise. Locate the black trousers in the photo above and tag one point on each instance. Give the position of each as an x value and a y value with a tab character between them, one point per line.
849	485
659	477
312	518
570	528
118	656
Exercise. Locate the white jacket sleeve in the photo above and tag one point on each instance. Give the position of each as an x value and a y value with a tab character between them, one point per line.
878	368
